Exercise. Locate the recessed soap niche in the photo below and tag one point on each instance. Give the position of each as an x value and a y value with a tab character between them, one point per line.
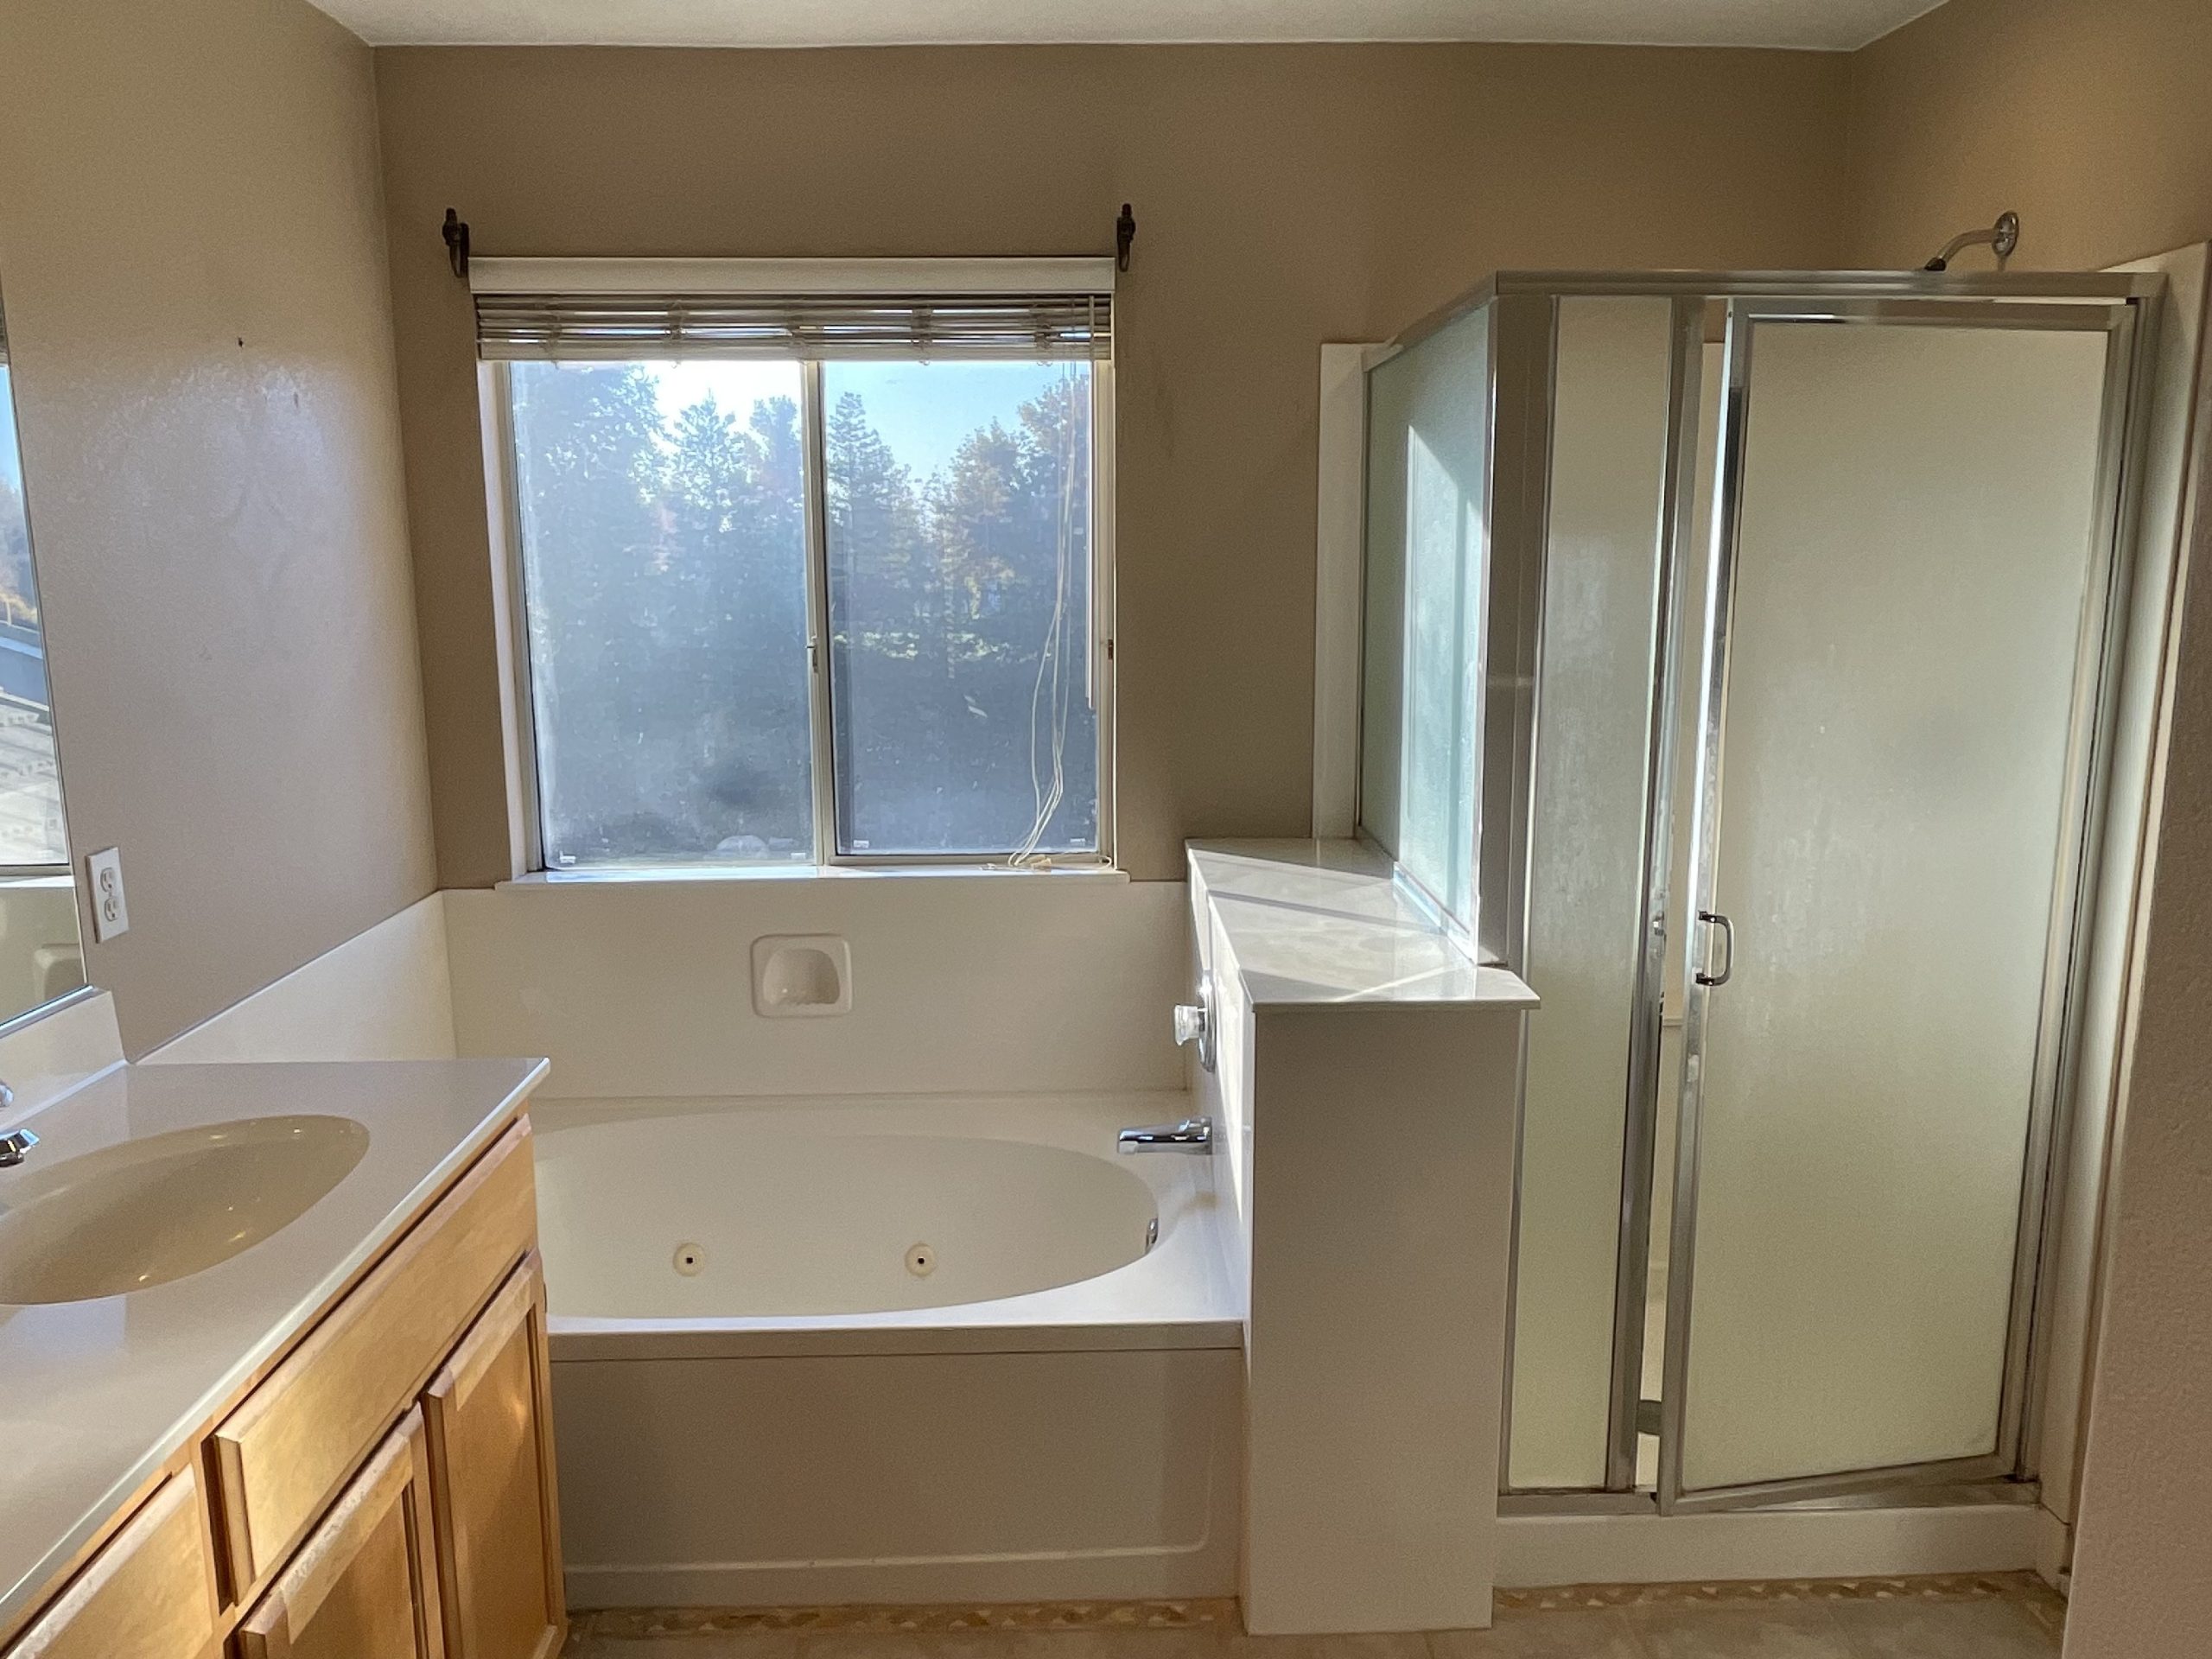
802	975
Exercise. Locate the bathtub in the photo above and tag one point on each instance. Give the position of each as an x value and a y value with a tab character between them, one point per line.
888	1350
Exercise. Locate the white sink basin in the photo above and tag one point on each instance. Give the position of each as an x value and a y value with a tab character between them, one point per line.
145	1213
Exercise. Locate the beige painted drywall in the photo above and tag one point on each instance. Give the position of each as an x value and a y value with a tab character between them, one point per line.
2089	117
192	258
1284	196
2093	122
2142	1584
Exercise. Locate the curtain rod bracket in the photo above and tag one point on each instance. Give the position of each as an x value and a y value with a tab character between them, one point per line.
1125	232
456	238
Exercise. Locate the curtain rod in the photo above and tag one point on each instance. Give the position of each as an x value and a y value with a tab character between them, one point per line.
455	233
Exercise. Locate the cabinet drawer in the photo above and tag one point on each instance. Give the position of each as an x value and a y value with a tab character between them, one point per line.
148	1594
281	1456
362	1586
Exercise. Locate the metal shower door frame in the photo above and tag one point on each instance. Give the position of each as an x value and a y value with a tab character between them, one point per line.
1647	1015
1516	551
2097	659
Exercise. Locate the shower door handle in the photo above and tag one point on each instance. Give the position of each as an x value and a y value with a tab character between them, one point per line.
1728	940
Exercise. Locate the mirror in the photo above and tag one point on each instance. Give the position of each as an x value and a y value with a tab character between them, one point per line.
41	956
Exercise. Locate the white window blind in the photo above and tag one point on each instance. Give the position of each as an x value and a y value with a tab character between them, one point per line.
1029	309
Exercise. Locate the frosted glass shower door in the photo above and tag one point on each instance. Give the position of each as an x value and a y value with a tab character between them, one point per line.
1428	437
1908	597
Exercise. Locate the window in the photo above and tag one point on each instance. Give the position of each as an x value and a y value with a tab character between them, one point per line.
808	577
661	510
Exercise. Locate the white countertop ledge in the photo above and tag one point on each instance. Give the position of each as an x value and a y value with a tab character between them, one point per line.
96	1397
1323	923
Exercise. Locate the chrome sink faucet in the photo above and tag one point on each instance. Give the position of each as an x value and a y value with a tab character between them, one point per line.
16	1142
1192	1134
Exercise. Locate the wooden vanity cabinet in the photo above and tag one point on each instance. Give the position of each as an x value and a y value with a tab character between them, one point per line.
364	1585
148	1594
281	1456
385	1491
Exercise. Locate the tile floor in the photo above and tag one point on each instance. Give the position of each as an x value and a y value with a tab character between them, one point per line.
2007	1616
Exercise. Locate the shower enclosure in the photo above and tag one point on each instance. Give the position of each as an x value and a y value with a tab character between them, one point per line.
1740	655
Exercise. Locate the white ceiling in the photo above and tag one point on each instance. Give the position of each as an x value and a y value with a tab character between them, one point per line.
1833	24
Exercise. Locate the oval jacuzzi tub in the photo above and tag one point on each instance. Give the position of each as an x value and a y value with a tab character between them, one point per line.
753	1213
867	1350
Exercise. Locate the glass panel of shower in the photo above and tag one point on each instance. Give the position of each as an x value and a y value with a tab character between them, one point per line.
1599	674
1428	453
1781	1168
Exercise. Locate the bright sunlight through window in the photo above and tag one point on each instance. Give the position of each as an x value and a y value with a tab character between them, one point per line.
809	609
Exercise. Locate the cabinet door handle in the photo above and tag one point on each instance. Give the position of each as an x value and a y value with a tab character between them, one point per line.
1728	940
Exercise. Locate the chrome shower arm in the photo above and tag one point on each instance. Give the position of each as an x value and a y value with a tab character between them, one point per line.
2000	238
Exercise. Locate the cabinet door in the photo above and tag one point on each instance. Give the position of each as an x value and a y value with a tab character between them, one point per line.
363	1585
489	1413
148	1594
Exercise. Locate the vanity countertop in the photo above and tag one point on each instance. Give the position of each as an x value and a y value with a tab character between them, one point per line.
96	1397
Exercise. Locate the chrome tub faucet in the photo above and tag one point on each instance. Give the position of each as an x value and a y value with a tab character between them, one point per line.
1192	1134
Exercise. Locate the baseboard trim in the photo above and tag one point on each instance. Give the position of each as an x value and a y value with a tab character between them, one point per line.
1137	1576
1539	1550
2054	1549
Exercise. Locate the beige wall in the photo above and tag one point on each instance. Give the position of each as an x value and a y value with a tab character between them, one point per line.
1285	196
191	255
2142	1543
2093	121
2091	118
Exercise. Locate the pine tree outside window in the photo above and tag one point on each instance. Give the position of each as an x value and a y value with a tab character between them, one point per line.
808	581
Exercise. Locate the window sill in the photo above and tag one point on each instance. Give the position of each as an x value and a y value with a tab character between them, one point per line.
812	873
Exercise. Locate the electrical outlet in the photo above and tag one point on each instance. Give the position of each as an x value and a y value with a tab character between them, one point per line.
110	916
